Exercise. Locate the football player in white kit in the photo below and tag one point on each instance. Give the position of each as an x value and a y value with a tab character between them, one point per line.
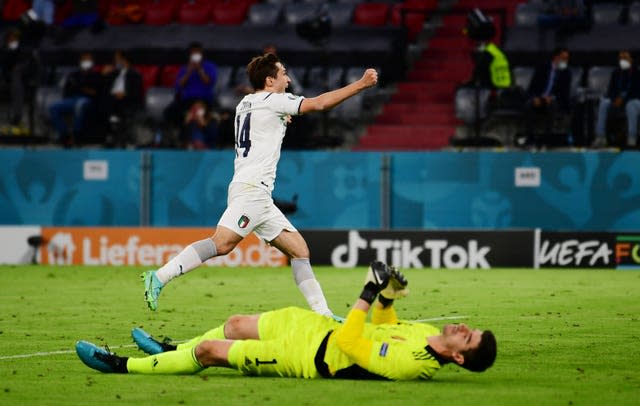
260	124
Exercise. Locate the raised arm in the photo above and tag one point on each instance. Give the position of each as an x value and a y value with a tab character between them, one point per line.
328	100
349	337
385	283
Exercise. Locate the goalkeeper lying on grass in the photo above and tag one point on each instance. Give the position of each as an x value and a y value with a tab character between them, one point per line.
295	342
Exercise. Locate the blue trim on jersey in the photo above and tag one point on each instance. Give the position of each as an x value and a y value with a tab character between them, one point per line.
267	96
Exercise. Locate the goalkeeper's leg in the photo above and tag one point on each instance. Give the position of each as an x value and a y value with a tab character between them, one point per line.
238	327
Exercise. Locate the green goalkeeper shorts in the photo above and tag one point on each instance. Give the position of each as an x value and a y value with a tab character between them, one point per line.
289	340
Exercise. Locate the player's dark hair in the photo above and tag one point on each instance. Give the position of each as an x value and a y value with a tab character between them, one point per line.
260	68
195	45
482	357
558	50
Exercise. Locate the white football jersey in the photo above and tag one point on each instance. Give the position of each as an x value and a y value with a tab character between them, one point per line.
260	125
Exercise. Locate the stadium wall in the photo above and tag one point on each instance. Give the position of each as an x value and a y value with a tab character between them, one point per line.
591	191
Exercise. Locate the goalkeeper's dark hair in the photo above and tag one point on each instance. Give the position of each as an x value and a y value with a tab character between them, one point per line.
482	357
260	68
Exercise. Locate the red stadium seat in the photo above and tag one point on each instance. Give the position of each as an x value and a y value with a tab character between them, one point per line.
371	14
126	11
169	75
149	75
194	13
229	12
13	9
161	12
63	11
413	20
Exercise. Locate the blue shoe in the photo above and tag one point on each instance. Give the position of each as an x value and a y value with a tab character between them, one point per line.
152	288
145	342
99	358
338	318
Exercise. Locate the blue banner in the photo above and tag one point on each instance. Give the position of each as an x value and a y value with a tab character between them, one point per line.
590	191
85	187
487	190
334	190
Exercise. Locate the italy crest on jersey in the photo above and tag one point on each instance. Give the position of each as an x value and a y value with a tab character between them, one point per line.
243	221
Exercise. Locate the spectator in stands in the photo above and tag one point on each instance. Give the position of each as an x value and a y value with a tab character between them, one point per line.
201	127
45	10
84	13
195	83
81	89
491	69
623	93
19	70
122	96
566	16
549	94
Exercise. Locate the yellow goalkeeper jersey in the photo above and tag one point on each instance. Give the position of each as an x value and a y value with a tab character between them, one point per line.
399	351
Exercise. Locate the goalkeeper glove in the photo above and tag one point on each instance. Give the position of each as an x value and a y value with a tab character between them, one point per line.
377	279
396	289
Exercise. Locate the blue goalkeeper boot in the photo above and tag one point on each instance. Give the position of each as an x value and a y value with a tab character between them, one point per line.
148	344
100	358
152	288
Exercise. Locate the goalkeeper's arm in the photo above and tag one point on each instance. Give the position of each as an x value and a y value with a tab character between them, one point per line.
383	311
349	337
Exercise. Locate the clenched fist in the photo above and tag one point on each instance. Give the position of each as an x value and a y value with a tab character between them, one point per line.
369	78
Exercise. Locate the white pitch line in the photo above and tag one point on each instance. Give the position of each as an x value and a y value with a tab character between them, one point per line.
441	318
45	354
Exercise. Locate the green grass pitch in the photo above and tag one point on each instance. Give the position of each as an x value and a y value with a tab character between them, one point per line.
565	337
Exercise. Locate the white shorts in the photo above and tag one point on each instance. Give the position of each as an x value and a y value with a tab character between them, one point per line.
251	208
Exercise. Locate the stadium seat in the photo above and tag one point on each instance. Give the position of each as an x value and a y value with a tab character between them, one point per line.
13	9
263	14
45	97
354	73
349	109
606	13
526	15
223	79
161	12
149	75
194	13
169	75
315	78
598	79
465	104
240	78
371	14
576	79
634	13
295	13
341	14
126	11
229	12
413	21
156	101
279	2
522	76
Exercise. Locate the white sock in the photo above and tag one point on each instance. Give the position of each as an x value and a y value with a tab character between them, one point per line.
313	293
309	286
184	262
188	259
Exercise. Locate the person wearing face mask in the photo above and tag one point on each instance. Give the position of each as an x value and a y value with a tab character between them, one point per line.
81	89
549	94
122	96
195	82
622	94
19	72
